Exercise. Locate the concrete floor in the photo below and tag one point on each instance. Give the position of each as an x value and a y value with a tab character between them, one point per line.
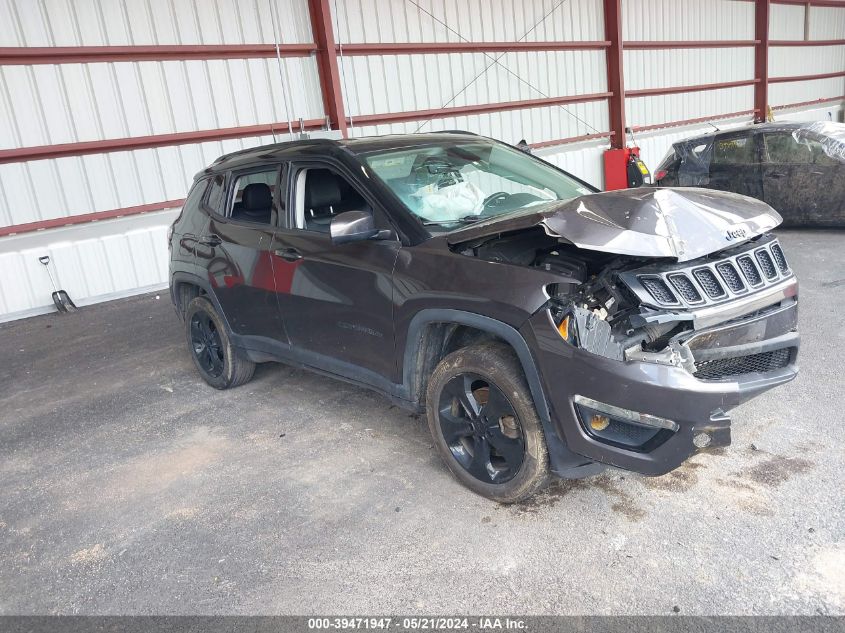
129	486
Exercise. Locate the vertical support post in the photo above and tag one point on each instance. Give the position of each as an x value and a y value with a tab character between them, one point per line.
615	71
762	9
330	85
807	8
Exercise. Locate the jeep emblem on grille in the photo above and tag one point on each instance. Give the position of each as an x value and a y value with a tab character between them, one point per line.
735	234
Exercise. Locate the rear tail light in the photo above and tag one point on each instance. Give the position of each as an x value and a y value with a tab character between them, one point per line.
660	174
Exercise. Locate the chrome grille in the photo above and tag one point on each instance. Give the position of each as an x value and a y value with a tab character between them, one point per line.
739	272
709	282
750	270
658	289
780	258
686	288
731	276
766	264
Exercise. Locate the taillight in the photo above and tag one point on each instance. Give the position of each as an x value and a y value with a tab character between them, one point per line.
660	174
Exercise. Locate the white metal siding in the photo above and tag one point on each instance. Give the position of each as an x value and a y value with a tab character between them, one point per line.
359	21
799	91
786	22
69	103
687	20
392	83
789	61
687	67
136	22
827	23
655	110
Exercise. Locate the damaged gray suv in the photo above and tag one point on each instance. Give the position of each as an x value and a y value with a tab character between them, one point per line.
543	327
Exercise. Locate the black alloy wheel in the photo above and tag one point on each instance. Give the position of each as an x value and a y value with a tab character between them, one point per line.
214	356
206	344
485	426
481	428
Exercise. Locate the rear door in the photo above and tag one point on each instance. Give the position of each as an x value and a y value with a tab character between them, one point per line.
336	300
800	181
735	164
235	250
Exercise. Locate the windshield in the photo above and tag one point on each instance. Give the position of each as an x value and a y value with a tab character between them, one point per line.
448	185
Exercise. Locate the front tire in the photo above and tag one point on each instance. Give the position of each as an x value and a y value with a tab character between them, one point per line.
484	423
215	358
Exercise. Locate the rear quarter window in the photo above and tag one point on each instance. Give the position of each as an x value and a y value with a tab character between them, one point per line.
213	201
190	220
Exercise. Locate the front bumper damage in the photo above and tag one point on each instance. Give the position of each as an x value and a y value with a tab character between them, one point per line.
688	390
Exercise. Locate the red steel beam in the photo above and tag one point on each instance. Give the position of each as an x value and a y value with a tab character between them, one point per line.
806	42
781	80
649	92
321	27
63	150
704	119
839	4
676	44
85	218
414	115
762	9
615	72
16	56
808	103
571	139
414	48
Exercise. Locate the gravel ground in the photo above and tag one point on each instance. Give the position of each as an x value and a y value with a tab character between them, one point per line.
128	486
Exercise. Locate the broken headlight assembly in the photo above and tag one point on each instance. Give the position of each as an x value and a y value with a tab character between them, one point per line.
601	319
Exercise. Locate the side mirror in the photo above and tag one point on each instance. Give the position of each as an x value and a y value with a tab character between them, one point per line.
352	226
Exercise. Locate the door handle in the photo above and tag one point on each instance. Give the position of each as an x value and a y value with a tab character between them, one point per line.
210	240
289	254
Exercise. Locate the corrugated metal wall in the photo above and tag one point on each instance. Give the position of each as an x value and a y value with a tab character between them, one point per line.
58	103
390	83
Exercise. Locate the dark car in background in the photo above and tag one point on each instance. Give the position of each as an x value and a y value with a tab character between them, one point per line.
796	168
543	327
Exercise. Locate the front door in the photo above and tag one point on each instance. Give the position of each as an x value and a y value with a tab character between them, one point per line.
235	251
336	300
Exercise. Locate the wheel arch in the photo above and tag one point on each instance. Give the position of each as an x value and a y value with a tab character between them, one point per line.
181	279
431	335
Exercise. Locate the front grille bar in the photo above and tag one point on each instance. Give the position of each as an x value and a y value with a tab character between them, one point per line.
749	271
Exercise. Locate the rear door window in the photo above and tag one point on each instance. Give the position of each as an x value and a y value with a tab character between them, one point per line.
735	150
254	197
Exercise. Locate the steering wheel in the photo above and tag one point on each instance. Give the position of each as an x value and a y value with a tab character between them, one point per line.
496	199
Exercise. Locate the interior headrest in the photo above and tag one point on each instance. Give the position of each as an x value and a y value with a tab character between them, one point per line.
321	189
256	197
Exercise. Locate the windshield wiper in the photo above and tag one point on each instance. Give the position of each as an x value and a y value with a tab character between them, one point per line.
467	219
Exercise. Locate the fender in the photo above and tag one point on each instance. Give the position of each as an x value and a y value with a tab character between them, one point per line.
564	462
487	324
196	280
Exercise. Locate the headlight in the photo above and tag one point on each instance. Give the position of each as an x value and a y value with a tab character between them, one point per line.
566	328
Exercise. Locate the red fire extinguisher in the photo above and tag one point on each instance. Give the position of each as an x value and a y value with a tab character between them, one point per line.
624	169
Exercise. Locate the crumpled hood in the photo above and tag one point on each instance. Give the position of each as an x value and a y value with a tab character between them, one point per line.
681	223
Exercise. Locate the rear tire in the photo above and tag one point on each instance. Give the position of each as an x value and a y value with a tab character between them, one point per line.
484	423
211	350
